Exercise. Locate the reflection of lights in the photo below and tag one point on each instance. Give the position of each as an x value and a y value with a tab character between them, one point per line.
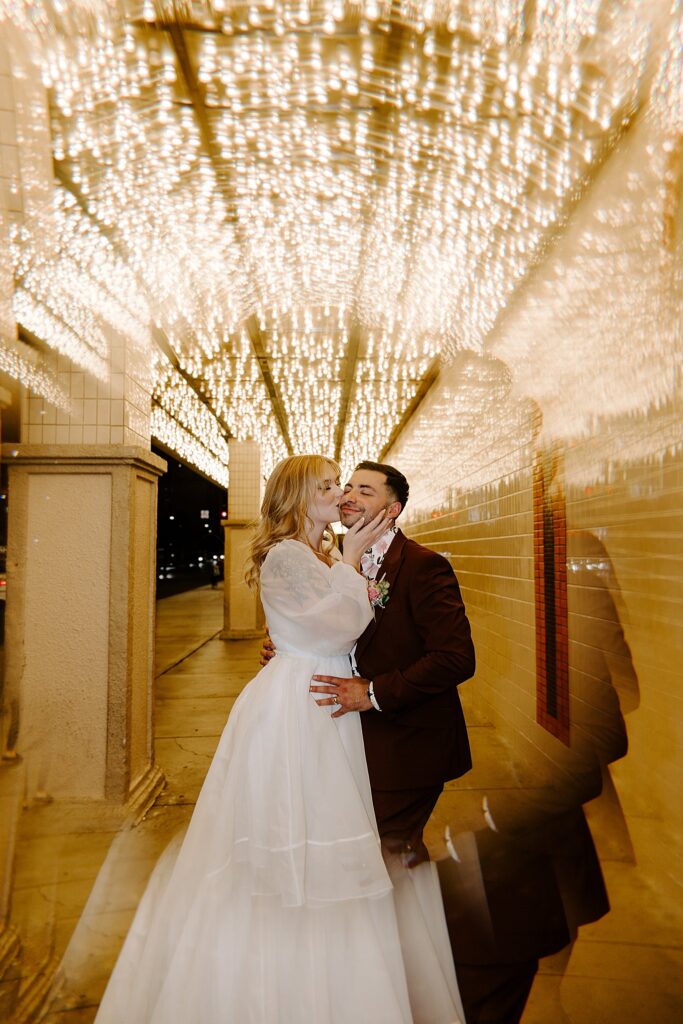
72	290
171	434
400	193
598	335
24	369
668	87
594	341
470	432
586	565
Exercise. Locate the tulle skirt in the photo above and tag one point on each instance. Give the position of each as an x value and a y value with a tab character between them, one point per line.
276	906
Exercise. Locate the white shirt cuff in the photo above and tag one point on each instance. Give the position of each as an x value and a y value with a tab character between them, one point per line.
373	699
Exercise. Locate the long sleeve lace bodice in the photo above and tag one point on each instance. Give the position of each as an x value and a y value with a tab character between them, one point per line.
311	608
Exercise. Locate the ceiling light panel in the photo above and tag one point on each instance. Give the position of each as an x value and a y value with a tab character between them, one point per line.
357	187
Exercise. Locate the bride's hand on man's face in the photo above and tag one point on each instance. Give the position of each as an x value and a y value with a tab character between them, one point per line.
362	536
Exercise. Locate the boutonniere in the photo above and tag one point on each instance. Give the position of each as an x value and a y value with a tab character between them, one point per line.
378	592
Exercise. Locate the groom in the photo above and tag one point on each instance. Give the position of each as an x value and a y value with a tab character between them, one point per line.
405	669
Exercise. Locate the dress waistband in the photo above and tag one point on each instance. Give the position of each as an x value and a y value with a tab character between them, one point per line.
289	652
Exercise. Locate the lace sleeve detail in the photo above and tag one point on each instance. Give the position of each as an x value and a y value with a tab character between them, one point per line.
310	606
292	570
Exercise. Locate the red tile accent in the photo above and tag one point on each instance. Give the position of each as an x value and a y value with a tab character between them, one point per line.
550	585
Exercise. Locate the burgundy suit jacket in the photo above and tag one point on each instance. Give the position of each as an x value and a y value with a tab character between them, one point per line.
416	651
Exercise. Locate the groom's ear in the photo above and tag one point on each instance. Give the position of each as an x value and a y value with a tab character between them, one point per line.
394	509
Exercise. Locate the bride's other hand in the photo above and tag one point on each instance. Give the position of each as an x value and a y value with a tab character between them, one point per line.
362	536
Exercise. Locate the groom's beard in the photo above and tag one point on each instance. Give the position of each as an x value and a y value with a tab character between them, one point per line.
349	518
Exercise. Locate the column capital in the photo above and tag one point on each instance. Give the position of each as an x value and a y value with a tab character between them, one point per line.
90	455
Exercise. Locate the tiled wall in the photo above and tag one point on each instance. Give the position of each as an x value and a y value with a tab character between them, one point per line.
638	514
588	358
26	176
116	411
625	599
112	411
10	177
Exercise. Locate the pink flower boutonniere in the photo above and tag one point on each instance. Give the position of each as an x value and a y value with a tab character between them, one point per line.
378	592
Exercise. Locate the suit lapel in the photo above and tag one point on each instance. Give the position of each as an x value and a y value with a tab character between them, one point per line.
388	570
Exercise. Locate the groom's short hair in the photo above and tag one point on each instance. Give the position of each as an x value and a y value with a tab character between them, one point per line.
396	482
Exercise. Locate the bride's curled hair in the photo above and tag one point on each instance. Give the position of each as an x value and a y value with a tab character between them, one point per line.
290	490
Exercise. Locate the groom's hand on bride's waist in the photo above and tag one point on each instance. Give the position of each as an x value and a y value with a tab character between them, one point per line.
267	651
347	693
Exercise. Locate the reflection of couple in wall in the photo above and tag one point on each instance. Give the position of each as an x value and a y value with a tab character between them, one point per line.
530	877
303	891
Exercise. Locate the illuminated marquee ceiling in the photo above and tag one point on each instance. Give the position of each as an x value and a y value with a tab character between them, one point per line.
312	201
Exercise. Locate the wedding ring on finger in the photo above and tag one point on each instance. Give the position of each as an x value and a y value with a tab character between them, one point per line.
336	699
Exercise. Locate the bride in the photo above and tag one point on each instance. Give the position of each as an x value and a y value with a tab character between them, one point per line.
277	907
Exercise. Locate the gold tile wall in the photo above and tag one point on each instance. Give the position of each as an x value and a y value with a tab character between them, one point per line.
632	515
115	411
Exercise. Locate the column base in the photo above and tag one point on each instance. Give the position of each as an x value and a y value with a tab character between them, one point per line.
242	634
100	815
37	993
10	948
10	974
144	794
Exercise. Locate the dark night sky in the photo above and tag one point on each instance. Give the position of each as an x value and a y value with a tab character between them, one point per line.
186	537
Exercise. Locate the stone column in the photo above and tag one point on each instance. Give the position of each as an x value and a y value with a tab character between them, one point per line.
80	619
10	804
82	514
5	401
243	614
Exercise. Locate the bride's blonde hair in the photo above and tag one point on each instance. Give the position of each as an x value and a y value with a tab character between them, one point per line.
290	491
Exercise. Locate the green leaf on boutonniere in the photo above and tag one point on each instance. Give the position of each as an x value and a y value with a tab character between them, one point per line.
378	592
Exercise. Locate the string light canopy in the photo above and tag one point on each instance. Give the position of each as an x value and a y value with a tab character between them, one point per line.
589	356
313	200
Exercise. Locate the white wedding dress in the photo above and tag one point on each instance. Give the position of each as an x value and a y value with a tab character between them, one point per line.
277	907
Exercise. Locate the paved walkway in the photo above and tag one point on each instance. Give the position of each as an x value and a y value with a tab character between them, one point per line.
625	969
78	881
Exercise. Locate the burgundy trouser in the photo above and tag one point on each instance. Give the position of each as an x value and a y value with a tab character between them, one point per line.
495	993
401	817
